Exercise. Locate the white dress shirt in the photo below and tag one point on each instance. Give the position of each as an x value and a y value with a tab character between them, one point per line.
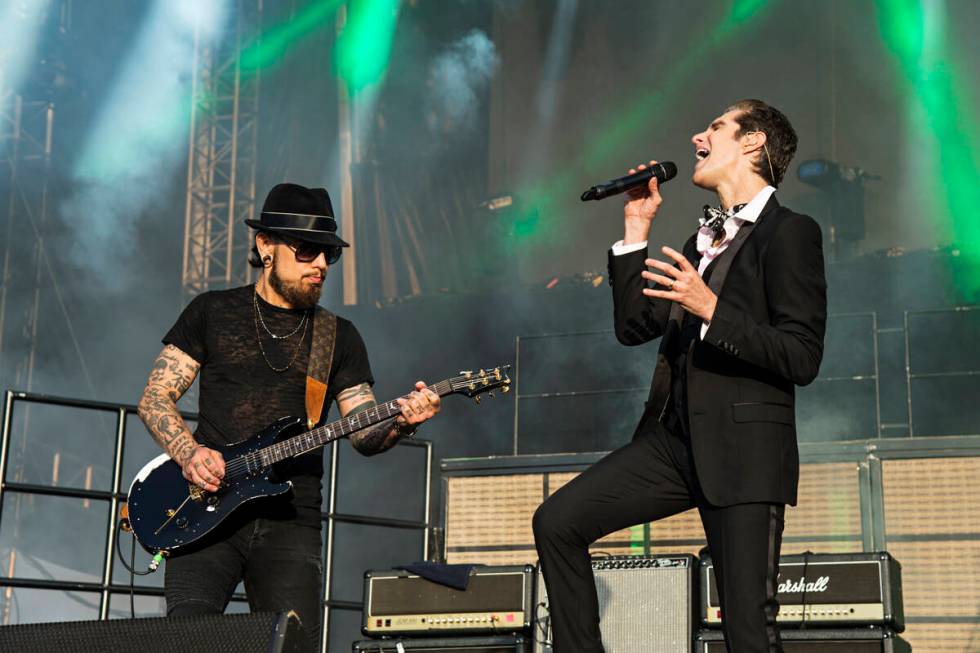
709	252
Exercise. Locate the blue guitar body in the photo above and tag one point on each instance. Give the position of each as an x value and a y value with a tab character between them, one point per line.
168	513
160	487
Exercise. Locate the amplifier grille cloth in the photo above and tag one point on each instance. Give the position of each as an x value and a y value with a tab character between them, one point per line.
645	610
484	593
643	613
488	518
932	517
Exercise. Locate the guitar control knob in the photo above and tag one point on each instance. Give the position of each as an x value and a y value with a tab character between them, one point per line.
181	523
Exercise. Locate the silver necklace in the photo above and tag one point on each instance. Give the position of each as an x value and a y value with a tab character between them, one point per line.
258	336
258	312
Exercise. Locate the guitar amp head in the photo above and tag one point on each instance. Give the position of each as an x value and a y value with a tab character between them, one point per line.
497	600
829	589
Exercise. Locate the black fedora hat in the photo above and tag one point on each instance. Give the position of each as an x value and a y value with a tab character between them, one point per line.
300	212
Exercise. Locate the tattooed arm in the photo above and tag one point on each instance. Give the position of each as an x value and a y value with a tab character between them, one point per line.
173	373
416	408
373	439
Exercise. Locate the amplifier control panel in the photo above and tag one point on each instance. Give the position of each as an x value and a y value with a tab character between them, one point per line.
829	613
466	621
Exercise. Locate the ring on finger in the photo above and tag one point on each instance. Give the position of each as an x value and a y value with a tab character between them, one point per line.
670	286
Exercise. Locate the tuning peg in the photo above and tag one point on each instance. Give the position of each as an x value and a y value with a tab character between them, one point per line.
466	373
505	389
491	394
477	398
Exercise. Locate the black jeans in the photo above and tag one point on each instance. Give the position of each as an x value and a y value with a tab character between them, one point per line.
279	558
651	478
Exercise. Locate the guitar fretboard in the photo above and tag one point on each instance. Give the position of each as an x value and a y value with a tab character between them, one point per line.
327	433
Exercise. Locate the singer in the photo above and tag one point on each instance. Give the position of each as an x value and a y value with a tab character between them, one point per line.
741	311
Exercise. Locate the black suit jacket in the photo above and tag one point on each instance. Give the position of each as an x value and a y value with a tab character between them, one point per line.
765	338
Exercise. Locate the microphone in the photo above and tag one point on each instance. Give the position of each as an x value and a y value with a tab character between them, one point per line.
663	171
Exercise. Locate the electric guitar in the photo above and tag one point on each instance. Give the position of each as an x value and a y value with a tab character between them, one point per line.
168	513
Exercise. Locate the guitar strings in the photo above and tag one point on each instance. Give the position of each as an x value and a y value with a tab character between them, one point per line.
240	465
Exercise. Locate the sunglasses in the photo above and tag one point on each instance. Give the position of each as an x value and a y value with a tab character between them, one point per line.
308	252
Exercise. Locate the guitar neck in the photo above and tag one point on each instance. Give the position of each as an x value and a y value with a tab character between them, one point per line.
343	427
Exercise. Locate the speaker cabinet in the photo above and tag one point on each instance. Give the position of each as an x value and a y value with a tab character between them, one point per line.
260	632
819	640
646	603
488	517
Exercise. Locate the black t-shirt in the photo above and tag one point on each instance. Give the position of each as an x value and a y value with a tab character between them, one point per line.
240	394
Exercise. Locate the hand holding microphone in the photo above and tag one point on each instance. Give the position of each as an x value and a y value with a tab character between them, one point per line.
642	186
637	178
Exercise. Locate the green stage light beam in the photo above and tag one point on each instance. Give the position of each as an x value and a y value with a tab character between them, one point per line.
622	126
274	44
364	47
914	35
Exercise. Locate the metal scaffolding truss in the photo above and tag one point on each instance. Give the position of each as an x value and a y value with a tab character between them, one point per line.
221	158
26	130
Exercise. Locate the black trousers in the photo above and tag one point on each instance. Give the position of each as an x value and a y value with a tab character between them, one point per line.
651	478
278	558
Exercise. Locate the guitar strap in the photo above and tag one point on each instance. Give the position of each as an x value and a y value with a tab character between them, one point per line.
321	359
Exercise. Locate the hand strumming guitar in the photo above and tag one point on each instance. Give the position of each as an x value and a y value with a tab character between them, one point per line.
203	467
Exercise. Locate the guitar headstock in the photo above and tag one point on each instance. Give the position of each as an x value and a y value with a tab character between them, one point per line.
474	384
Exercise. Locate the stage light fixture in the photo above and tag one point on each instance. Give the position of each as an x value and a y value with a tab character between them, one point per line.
826	174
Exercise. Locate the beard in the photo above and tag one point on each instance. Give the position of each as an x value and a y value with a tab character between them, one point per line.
298	294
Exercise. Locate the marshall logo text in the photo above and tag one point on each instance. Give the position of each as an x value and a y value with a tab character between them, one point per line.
799	586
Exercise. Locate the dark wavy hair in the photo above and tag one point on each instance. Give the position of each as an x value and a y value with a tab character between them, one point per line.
757	116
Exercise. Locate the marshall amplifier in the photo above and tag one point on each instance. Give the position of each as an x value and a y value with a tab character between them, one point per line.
496	600
498	644
831	589
819	640
646	603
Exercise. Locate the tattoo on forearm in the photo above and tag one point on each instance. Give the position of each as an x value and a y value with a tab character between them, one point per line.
183	448
356	393
360	408
170	378
375	439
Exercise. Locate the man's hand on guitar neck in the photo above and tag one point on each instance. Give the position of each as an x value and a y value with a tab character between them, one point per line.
419	406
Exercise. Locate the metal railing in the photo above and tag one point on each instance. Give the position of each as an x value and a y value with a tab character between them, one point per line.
332	518
871	375
911	375
114	497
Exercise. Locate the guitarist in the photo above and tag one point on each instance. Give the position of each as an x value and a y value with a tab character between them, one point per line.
251	347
